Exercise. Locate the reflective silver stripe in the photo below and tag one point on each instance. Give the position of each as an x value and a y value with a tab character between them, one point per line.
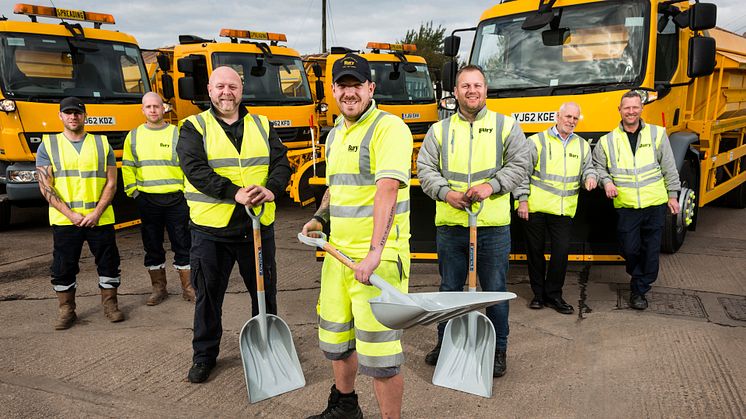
55	153
133	146
265	137
255	161
101	156
129	186
329	141
335	327
464	177
364	162
499	122
129	163
233	162
612	152
543	158
67	173
337	348
200	197
348	179
81	204
201	122
63	288
381	361
378	337
641	183
553	190
444	143
174	143
631	172
159	182
353	211
108	282
392	173
556	178
169	163
653	137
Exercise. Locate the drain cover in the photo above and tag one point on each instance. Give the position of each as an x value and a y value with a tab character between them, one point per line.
734	307
669	304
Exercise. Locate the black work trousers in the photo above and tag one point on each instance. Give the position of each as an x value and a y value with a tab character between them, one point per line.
547	284
68	244
640	233
212	262
175	220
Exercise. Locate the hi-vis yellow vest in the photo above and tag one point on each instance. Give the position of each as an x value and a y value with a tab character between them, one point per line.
638	177
249	167
555	181
352	185
149	161
79	178
473	153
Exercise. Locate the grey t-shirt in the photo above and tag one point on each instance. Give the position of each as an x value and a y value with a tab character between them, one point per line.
42	156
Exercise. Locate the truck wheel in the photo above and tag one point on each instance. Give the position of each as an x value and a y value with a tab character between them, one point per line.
675	227
4	213
737	197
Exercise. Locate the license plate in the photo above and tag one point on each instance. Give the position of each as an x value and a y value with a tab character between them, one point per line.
70	14
281	123
534	117
410	116
100	120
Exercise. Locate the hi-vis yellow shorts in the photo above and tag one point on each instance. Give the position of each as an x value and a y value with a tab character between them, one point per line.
346	322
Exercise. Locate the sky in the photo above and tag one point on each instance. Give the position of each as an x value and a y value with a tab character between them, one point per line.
351	23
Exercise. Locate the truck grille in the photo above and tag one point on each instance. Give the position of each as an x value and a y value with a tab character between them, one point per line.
294	134
419	128
116	139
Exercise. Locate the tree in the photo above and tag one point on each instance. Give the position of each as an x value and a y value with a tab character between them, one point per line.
429	41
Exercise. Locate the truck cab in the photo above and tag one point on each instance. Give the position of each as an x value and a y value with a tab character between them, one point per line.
42	63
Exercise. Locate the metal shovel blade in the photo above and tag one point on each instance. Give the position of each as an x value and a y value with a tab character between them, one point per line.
397	310
428	307
467	355
270	367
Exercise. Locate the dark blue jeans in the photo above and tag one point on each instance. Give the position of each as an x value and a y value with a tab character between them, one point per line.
640	233
175	219
493	250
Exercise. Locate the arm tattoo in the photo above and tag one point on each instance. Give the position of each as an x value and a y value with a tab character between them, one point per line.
47	190
389	223
323	211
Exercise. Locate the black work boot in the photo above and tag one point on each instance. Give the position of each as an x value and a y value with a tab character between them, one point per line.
340	406
432	357
500	363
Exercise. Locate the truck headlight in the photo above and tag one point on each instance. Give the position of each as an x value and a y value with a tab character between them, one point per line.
22	176
8	105
323	107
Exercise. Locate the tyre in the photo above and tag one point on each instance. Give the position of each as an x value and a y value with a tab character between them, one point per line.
675	227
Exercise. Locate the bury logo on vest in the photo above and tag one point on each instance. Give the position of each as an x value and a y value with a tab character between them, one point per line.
555	181
352	148
467	158
154	160
637	176
248	167
79	178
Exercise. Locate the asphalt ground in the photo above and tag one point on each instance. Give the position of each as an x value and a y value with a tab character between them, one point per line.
683	357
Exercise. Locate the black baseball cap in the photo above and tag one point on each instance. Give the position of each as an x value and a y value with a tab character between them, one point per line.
351	65
72	104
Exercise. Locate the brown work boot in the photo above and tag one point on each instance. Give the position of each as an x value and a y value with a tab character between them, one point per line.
66	316
160	293
187	292
109	301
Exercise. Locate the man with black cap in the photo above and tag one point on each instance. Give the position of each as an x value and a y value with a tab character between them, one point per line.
366	205
77	175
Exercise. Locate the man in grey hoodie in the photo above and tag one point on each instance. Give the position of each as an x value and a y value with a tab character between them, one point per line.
475	155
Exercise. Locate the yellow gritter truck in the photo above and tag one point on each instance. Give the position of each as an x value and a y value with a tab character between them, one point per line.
42	63
275	85
692	77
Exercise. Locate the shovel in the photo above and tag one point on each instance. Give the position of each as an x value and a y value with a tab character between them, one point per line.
270	363
397	310
467	353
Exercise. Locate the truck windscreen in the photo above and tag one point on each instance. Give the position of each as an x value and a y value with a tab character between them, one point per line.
280	80
394	85
590	44
47	68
